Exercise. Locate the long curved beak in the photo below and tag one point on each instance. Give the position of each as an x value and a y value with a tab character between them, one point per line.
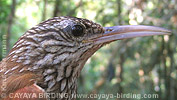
129	31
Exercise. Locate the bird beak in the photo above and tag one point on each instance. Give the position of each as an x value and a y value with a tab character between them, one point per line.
129	31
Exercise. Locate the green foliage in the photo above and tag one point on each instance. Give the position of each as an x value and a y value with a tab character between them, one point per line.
4	12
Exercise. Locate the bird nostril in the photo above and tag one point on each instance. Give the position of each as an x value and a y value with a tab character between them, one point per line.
109	30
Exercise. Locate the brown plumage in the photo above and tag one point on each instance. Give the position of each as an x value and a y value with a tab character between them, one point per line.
32	92
49	57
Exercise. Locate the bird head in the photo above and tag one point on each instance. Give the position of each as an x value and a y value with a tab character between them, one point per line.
72	40
82	37
58	48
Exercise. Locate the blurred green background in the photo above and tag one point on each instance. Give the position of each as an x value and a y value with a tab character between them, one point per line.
145	65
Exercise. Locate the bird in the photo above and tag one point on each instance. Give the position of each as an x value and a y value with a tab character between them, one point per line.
47	60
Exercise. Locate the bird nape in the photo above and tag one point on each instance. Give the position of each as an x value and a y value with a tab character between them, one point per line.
49	57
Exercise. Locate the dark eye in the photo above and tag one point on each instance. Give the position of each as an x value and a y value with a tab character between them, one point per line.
77	30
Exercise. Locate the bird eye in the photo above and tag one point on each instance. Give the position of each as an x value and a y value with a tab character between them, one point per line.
77	30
